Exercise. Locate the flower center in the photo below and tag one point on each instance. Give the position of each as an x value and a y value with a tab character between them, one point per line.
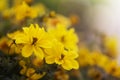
62	56
62	39
34	40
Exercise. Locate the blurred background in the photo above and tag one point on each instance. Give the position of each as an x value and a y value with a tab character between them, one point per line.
94	15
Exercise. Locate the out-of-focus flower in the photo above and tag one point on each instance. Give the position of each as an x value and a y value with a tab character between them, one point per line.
74	19
40	8
52	22
7	13
22	63
94	74
17	2
65	36
4	44
61	75
110	44
99	59
36	76
84	57
3	5
23	11
30	73
8	47
112	68
37	62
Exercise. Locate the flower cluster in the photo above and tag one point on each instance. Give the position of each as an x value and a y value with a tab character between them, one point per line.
35	41
39	52
101	61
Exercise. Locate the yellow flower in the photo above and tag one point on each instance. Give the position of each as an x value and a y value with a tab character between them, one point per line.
40	8
57	19
95	74
4	44
110	44
23	11
23	70
67	37
7	13
61	57
37	62
30	72
74	19
85	57
8	47
34	40
61	75
3	5
99	59
22	63
112	68
36	76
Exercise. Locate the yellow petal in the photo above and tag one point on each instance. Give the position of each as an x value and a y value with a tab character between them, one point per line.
44	43
23	70
22	63
21	38
38	53
36	76
71	54
50	59
30	71
27	51
74	64
67	65
26	30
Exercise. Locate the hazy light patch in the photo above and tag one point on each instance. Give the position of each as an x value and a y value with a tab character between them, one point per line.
107	20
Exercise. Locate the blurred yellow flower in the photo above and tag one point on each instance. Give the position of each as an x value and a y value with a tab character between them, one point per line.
112	68
36	76
99	59
7	13
22	63
30	72
61	57
110	44
84	57
40	8
55	19
8	47
65	36
23	70
3	5
23	11
94	74
37	62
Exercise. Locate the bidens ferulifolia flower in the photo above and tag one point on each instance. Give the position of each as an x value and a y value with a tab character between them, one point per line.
57	54
65	36
34	39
